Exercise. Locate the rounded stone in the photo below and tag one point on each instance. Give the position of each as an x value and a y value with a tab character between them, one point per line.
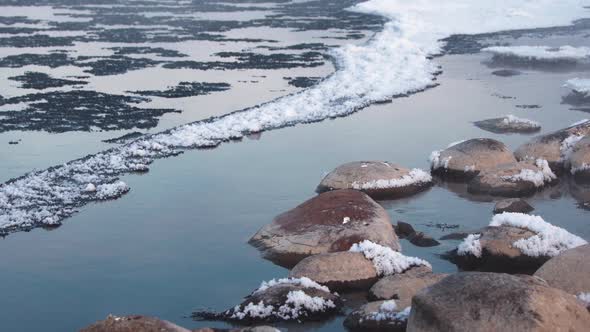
404	286
330	222
379	179
513	205
507	180
133	323
365	318
569	271
508	125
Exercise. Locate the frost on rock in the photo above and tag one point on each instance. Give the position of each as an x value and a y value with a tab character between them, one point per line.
416	176
303	281
567	146
510	120
386	260
584	298
437	162
388	311
579	85
549	240
470	246
583	167
538	178
541	52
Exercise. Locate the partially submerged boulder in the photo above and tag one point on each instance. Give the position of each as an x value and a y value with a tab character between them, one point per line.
464	160
568	271
329	222
509	124
285	299
420	239
477	301
513	179
555	147
133	323
378	179
405	285
339	270
386	316
579	160
513	205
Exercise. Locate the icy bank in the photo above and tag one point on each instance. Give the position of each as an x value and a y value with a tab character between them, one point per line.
395	62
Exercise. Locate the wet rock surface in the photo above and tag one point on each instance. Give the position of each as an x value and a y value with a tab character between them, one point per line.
404	286
568	271
511	180
330	222
478	301
508	125
513	205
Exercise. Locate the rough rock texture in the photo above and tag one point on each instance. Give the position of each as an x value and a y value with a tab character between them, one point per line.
503	125
361	174
339	270
478	301
465	160
497	181
405	285
363	319
133	324
513	205
580	160
549	146
569	271
330	222
498	254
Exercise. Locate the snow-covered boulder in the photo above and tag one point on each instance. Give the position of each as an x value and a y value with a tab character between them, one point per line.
329	222
478	301
339	271
579	160
509	124
404	286
464	160
580	92
513	180
386	260
133	323
555	147
513	242
379	179
512	205
386	316
569	271
288	299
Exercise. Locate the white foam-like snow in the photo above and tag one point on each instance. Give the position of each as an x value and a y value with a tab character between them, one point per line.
577	123
539	177
388	311
470	246
542	52
549	240
386	260
580	85
585	298
510	120
567	146
415	176
582	168
303	281
397	61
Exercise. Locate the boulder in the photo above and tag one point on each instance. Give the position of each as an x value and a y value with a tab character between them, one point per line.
329	222
512	180
379	179
405	285
133	323
508	124
385	316
477	301
403	229
339	271
513	205
554	147
463	161
497	252
568	271
420	239
580	160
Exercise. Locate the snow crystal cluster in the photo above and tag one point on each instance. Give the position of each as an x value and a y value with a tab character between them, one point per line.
303	282
511	120
538	178
437	162
388	311
542	52
585	298
549	240
470	246
416	176
580	85
386	260
567	146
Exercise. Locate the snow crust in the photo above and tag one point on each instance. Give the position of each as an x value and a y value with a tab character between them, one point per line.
538	178
397	61
303	281
580	85
470	246
542	52
567	146
386	260
585	298
388	311
416	176
510	120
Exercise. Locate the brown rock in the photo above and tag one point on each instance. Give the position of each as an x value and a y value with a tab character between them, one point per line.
513	205
568	271
403	229
504	125
362	175
478	301
465	160
330	222
422	240
580	160
339	270
405	285
364	318
132	324
500	181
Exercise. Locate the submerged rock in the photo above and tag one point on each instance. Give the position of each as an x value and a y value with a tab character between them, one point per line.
377	179
508	124
386	316
506	72
403	229
464	160
512	180
569	271
133	323
330	222
339	270
580	160
478	301
420	239
513	205
405	285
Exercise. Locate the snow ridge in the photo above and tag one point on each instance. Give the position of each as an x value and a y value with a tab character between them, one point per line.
386	260
416	176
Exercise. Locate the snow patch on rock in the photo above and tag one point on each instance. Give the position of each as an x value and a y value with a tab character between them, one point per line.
386	260
416	176
470	246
